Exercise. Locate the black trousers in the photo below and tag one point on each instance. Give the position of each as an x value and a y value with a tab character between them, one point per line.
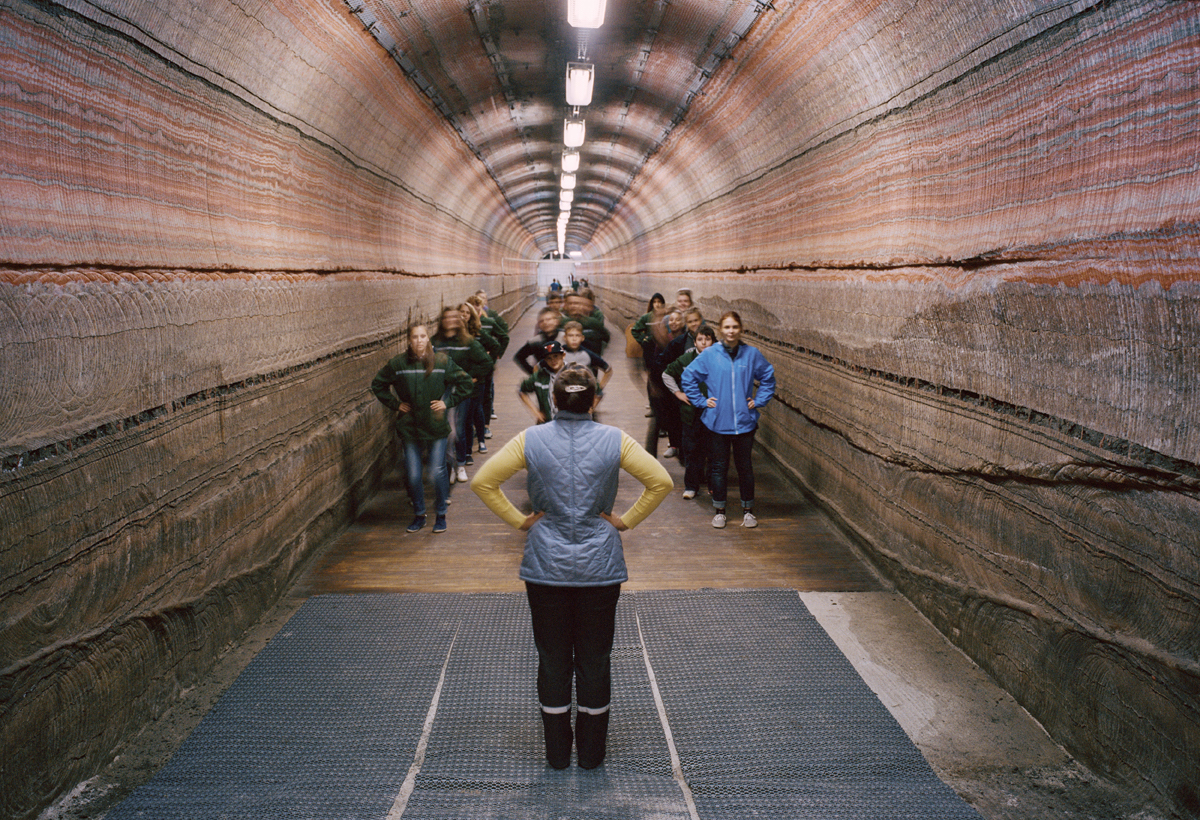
573	631
742	446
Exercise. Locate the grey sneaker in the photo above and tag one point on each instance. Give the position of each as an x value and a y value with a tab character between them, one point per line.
719	520
462	475
748	519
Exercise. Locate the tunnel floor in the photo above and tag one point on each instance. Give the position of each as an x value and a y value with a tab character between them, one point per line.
973	735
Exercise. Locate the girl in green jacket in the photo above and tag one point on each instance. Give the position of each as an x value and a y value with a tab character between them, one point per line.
420	385
453	339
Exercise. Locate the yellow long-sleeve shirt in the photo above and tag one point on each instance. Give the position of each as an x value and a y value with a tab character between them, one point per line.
510	460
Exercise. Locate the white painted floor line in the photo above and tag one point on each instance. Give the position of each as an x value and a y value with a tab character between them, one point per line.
410	782
676	766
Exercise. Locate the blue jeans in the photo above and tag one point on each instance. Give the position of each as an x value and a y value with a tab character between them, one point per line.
742	446
414	468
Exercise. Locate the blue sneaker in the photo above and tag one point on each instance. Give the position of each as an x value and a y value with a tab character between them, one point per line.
439	524
417	523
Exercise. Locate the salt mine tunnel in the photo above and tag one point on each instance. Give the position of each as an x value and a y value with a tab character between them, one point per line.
966	234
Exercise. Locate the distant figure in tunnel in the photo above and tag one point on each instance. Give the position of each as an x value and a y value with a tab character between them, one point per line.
740	383
420	386
574	564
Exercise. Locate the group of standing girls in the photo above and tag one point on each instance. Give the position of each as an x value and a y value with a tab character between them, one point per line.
706	388
438	379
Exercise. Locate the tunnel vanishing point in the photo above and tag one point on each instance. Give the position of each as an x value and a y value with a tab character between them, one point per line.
965	233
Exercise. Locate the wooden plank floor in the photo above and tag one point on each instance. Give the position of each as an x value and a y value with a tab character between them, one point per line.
675	548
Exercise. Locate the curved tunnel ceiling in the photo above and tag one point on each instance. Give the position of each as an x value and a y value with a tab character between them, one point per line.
496	71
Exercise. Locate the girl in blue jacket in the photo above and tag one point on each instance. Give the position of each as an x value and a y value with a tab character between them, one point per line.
740	382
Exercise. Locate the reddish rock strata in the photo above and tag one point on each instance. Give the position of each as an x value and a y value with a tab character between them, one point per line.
967	235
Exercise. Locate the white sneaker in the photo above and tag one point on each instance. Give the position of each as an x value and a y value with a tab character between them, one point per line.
748	520
453	477
671	452
719	520
462	475
689	494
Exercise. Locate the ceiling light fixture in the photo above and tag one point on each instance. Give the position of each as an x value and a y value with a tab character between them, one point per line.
568	182
580	77
570	161
585	13
566	196
573	132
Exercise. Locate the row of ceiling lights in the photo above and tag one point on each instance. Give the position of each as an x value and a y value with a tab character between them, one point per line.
585	14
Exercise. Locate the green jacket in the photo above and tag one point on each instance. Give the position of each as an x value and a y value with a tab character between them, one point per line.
687	413
491	344
540	384
471	357
641	329
403	380
494	323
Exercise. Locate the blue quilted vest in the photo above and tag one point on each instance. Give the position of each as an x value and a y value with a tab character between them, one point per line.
573	464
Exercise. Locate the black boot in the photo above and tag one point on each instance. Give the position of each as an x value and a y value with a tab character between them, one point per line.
558	739
591	738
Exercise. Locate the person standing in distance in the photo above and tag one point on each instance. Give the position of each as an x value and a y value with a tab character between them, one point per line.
420	385
740	383
573	565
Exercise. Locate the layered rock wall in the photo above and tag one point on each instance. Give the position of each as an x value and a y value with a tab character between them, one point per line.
215	219
971	251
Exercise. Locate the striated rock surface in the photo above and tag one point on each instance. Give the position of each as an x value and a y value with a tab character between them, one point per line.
215	219
970	246
966	234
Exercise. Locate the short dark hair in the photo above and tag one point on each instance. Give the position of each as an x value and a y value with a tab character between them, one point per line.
707	331
575	389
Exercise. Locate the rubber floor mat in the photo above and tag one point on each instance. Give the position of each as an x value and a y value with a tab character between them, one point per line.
771	720
330	720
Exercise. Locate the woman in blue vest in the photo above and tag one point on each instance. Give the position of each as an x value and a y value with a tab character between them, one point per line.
573	565
740	383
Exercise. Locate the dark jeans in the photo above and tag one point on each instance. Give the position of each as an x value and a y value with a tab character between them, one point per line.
697	452
573	631
482	411
742	446
463	429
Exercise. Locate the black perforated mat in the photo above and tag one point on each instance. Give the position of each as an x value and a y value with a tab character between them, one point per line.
768	718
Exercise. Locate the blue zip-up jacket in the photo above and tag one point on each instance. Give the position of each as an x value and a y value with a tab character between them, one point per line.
730	381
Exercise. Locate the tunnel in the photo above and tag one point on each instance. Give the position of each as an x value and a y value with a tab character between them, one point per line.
965	233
